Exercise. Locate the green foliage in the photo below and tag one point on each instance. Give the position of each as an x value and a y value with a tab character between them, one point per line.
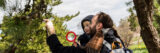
139	48
156	20
132	17
2	3
61	29
25	31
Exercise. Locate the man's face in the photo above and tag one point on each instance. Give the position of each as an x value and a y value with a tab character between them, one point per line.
93	25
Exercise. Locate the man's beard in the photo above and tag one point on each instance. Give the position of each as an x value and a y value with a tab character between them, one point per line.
93	31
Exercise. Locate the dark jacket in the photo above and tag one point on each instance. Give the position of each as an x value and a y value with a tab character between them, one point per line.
56	47
84	38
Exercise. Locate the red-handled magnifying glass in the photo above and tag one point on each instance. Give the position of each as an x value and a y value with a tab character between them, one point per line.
71	36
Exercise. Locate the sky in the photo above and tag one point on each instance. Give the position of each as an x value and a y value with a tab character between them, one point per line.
1	15
115	8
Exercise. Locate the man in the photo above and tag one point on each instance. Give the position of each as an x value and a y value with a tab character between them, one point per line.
95	45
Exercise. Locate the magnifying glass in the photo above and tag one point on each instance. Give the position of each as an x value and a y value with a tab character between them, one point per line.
71	36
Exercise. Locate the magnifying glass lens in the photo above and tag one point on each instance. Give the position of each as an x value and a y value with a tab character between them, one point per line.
70	36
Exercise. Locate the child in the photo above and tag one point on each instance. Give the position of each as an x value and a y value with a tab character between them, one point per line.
85	37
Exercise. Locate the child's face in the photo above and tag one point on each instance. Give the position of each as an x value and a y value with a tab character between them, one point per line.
86	25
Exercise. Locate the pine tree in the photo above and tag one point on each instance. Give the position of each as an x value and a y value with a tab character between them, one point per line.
132	17
25	31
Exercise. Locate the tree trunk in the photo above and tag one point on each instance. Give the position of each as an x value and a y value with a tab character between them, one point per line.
144	10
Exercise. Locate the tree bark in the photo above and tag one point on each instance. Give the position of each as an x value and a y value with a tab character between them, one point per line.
144	10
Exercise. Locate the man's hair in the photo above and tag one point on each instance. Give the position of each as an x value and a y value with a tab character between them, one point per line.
107	22
105	19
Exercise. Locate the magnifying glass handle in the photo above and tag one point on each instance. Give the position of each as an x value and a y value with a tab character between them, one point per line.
73	38
75	44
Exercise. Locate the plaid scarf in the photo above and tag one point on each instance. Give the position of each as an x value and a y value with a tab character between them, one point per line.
95	44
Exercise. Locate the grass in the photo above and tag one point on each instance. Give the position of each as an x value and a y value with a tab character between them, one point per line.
138	48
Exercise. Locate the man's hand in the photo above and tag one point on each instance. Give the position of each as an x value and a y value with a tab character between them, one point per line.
49	26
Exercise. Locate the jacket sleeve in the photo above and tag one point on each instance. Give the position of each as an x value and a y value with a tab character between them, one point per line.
56	47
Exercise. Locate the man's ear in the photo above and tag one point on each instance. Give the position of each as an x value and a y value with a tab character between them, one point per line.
99	26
